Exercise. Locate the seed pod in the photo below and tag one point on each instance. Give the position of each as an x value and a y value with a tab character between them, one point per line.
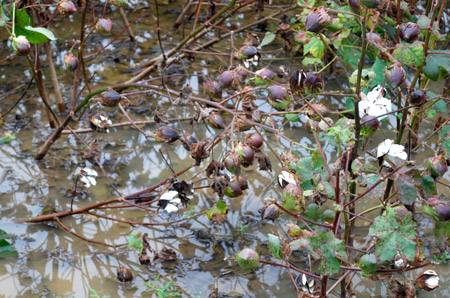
282	71
440	210
265	73
66	7
371	3
437	166
297	80
104	25
246	154
232	161
254	139
233	189
248	259
409	32
243	184
99	122
166	134
418	97
124	274
374	37
278	98
71	62
110	98
242	125
317	20
354	4
241	73
270	212
428	280
248	52
212	88
369	125
397	76
216	120
120	3
313	82
226	79
21	45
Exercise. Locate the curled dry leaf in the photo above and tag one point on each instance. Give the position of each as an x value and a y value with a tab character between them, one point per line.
159	117
166	254
184	96
219	185
199	151
263	161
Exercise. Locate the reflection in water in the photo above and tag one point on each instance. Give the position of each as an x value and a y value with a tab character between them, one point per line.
54	263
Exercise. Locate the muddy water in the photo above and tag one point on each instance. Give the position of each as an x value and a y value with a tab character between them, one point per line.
53	263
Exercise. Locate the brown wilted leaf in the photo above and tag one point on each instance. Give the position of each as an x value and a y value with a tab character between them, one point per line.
263	161
91	152
159	117
219	185
214	168
199	150
184	97
248	105
166	254
404	290
187	140
185	190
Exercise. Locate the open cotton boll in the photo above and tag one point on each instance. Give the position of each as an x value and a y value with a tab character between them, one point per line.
169	201
374	104
387	147
87	176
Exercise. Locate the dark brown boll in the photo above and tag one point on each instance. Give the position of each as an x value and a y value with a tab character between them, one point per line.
418	97
166	134
110	98
297	80
71	62
124	274
313	82
216	120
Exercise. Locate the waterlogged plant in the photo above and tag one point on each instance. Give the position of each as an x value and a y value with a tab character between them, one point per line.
356	168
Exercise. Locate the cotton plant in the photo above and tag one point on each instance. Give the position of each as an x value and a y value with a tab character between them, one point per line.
374	104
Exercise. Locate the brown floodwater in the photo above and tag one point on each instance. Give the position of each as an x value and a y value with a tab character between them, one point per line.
53	263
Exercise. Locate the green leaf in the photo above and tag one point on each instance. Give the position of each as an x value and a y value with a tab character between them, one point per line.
3	17
437	66
351	56
431	113
275	246
218	212
329	249
22	18
268	38
135	241
367	180
315	46
429	185
368	264
7	137
410	54
6	249
406	189
440	106
395	233
444	140
441	231
340	37
311	61
378	68
37	34
293	117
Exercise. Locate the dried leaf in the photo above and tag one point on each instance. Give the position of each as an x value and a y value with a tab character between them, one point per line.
199	150
159	117
263	161
214	168
184	96
219	185
166	254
